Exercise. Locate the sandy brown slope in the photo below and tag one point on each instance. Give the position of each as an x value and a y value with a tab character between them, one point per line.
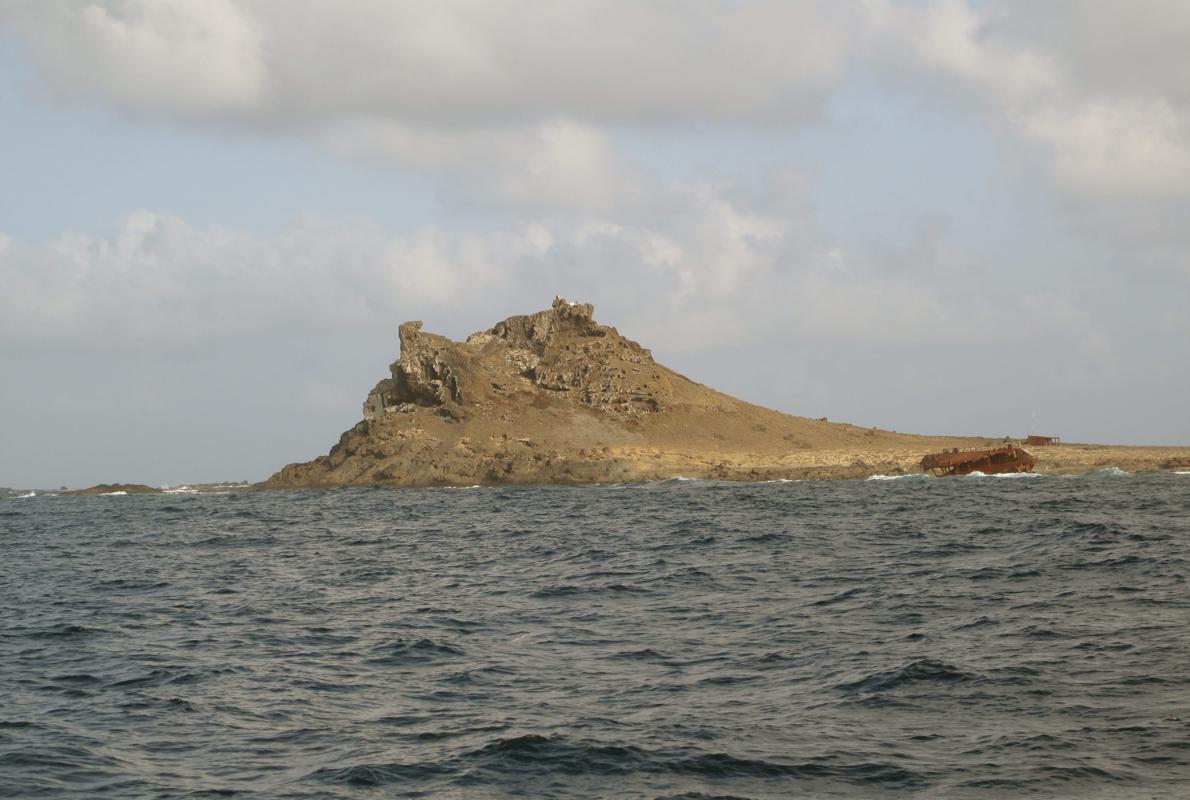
554	397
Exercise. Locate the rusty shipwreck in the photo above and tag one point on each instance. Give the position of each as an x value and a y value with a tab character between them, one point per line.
990	461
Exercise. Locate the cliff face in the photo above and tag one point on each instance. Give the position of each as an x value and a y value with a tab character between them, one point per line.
555	397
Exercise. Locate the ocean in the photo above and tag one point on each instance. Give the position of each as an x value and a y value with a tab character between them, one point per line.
936	638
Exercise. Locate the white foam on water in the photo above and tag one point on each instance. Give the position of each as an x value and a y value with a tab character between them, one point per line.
178	490
980	474
111	494
24	496
676	479
784	480
910	477
1180	472
1114	471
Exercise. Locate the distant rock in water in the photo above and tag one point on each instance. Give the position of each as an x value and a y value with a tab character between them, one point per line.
116	488
555	397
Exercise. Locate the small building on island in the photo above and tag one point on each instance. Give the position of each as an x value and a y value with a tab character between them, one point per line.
1043	441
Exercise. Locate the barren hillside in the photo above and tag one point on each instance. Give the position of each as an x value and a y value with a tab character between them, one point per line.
555	397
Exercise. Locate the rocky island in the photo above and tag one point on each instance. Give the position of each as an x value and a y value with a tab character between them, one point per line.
114	488
555	397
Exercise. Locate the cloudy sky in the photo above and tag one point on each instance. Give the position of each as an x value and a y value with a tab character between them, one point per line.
937	216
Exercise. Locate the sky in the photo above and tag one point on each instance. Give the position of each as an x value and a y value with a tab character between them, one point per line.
939	216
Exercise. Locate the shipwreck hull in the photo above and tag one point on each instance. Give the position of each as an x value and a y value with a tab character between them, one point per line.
991	461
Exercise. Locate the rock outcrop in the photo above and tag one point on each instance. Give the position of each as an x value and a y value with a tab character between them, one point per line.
560	350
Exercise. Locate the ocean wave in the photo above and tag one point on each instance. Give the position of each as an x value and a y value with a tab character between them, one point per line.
183	489
410	652
922	670
362	776
112	494
25	496
63	630
165	676
838	598
569	590
557	755
1046	776
1016	475
675	480
1111	472
913	476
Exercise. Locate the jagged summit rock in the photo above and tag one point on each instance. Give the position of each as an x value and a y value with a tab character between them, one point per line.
556	397
560	350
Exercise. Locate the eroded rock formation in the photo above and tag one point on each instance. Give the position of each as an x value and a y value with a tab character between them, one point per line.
561	350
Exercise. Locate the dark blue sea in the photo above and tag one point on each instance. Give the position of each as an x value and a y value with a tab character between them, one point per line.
940	638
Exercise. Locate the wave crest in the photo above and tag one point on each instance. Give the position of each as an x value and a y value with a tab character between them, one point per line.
557	755
923	670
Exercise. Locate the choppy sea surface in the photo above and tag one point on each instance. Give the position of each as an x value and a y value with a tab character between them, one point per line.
948	638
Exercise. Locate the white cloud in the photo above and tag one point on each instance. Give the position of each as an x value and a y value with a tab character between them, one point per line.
711	265
1117	146
451	63
515	120
177	57
555	166
504	105
1110	122
523	93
